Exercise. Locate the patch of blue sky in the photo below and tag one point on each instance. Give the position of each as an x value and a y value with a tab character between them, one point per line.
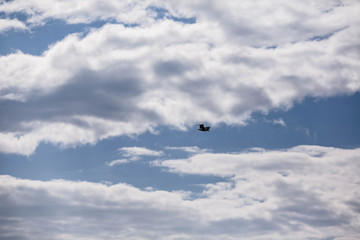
88	163
21	16
325	36
326	122
39	38
321	37
162	13
329	122
271	47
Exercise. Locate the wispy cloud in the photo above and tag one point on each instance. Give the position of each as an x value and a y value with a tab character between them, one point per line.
279	121
139	151
117	162
131	154
189	149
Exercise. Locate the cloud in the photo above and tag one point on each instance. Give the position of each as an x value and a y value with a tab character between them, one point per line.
117	162
246	22
132	154
307	184
63	209
77	11
295	159
135	153
113	81
139	151
189	149
280	122
10	24
300	193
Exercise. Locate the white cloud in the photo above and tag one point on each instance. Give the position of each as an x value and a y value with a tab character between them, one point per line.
247	22
117	162
139	151
85	210
217	69
189	149
131	154
308	185
280	122
299	193
9	24
78	11
234	164
135	154
74	131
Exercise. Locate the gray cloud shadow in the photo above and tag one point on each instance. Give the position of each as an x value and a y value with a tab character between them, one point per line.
105	94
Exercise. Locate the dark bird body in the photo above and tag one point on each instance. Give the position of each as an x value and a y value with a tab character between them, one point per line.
203	129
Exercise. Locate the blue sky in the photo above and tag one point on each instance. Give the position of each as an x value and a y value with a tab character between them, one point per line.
100	105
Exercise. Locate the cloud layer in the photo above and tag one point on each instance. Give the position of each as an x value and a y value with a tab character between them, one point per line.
305	192
119	80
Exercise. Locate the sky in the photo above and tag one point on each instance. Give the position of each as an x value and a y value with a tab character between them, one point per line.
100	103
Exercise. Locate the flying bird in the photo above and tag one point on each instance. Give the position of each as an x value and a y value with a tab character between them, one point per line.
203	129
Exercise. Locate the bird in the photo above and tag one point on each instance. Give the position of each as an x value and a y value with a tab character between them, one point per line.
203	129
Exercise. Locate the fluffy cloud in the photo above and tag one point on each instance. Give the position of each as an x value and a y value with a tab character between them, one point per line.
248	22
298	187
8	24
77	11
82	210
296	160
299	193
120	80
